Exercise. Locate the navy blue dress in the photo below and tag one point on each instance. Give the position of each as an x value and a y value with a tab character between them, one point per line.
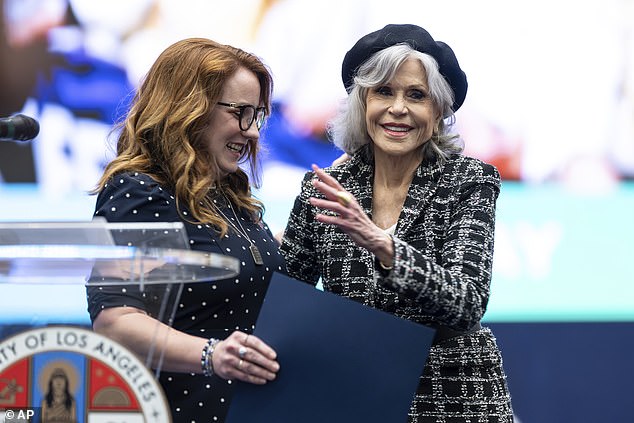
206	309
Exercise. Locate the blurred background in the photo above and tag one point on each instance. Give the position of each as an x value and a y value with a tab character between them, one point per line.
550	103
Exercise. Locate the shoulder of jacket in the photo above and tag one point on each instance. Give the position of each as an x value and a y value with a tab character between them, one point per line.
470	169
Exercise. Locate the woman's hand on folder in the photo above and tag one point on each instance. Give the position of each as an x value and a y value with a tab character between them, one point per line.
245	357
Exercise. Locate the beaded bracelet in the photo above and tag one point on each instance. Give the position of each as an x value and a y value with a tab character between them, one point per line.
206	357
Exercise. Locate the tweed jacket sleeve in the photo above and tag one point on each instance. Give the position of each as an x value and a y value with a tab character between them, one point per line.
298	244
443	244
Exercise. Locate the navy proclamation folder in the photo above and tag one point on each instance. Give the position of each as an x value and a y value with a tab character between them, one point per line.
340	361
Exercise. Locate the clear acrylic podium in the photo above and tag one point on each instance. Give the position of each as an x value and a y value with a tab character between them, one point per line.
152	258
147	256
103	253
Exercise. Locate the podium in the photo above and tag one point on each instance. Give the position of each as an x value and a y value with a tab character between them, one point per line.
102	253
108	382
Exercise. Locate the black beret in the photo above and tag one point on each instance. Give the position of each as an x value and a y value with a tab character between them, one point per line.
419	39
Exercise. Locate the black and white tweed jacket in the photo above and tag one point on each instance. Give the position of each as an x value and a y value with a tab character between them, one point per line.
443	243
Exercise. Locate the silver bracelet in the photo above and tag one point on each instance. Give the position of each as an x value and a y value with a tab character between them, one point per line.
384	267
206	357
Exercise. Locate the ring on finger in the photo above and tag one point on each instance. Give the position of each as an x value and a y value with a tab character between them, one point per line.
242	351
343	198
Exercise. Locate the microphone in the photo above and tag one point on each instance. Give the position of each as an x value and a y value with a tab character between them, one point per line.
18	128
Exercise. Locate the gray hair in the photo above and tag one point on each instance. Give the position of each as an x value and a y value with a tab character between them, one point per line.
348	129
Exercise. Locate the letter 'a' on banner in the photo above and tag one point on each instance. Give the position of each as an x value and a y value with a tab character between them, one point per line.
101	380
340	361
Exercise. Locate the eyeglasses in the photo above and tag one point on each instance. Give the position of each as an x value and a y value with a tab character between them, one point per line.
248	115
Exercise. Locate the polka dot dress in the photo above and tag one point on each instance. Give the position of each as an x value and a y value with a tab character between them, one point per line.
206	309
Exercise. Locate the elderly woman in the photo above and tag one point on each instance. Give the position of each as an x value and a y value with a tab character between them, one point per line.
406	224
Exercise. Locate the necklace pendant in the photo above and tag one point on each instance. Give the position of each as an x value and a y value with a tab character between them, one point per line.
257	256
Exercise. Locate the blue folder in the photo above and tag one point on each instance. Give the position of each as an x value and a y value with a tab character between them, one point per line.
340	361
